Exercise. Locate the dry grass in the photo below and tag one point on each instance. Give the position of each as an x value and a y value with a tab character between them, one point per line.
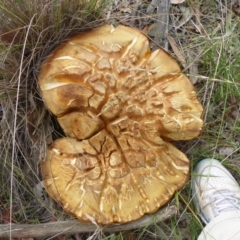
205	40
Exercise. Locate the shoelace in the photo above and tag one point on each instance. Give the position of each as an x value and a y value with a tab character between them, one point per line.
224	201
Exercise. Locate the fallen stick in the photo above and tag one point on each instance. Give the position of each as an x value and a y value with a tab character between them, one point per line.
75	226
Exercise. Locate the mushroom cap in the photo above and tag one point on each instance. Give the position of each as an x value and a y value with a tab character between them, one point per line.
118	103
107	185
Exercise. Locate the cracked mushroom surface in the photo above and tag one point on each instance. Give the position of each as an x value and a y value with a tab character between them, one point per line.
119	105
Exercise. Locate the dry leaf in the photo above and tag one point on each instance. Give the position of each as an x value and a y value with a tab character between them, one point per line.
177	1
193	65
5	217
31	118
236	8
187	14
236	114
226	151
38	189
176	50
130	236
234	109
197	13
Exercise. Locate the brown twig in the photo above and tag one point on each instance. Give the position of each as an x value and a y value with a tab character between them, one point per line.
75	226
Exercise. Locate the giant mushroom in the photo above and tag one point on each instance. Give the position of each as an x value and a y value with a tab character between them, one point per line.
120	105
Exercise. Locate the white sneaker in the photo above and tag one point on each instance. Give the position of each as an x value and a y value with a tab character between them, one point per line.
215	191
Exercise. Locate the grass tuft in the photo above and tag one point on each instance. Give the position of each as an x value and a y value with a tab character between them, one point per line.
29	31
